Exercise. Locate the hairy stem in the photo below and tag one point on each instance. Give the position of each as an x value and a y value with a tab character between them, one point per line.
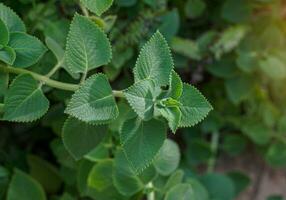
214	148
151	195
46	80
55	69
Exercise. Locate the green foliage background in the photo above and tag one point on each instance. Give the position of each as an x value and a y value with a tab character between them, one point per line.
233	51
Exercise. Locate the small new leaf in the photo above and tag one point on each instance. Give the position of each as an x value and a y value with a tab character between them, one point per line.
28	49
80	138
87	46
194	106
141	141
173	115
155	61
93	102
97	6
25	101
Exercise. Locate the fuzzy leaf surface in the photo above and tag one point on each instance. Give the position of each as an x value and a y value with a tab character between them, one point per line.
97	6
7	55
4	33
11	19
93	102
24	187
25	101
80	138
194	106
28	49
155	61
141	141
87	46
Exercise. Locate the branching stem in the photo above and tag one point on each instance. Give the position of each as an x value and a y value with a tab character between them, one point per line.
46	80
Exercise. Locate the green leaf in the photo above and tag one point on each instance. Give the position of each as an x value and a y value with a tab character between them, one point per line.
141	141
155	61
200	192
93	102
240	180
4	34
87	46
124	178
182	191
80	138
25	101
236	11
175	87
55	48
234	144
194	106
174	179
140	97
7	55
273	67
97	6
4	81
195	8
11	19
186	47
28	49
100	152
276	154
126	3
173	115
257	132
24	187
168	158
198	152
170	23
100	175
238	88
45	173
219	186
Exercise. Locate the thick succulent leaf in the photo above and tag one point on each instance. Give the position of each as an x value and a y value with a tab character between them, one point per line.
93	102
25	101
182	191
87	46
24	187
80	138
4	33
28	49
176	86
155	61
173	115
7	55
141	99
11	19
97	6
124	178
168	158
194	108
141	141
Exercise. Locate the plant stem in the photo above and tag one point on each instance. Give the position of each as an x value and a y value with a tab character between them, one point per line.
151	195
43	79
214	148
46	80
55	69
84	10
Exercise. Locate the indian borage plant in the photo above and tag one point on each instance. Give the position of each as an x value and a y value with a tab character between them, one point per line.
158	97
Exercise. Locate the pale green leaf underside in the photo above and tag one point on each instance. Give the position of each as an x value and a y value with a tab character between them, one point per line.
155	61
97	6
80	138
87	46
4	33
141	141
93	102
176	86
28	49
173	115
140	98
124	178
25	101
7	55
168	158
194	108
24	187
11	19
